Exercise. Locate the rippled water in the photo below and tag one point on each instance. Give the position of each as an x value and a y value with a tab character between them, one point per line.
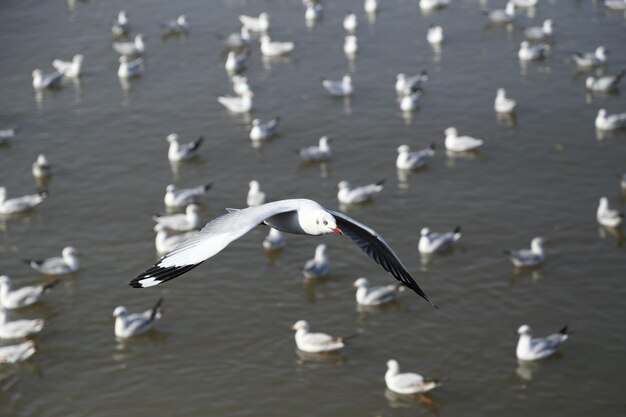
223	346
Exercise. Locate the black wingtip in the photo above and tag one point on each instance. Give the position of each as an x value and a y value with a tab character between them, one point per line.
51	285
208	186
432	146
563	330
156	308
158	275
507	252
381	182
457	229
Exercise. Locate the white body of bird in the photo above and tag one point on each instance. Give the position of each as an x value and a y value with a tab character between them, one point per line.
17	329
262	131
128	325
503	104
42	81
500	16
405	84
240	85
179	26
525	258
182	197
608	217
17	353
128	68
540	33
532	349
236	62
315	342
431	242
367	295
410	101
121	26
319	153
457	143
605	84
408	160
342	88
528	52
435	35
21	297
407	383
433	4
70	69
350	45
136	47
20	204
275	48
313	12
256	24
240	104
357	195
591	59
274	240
182	152
350	23
180	222
319	266
41	168
605	121
67	263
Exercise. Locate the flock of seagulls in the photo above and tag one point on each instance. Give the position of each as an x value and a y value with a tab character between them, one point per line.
185	248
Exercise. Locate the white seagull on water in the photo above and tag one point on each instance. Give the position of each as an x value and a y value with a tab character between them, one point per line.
255	196
605	84
6	135
431	242
121	25
17	353
608	217
240	104
128	68
67	263
500	16
275	48
350	23
528	258
406	83
319	265
182	197
319	153
435	35
21	297
262	131
179	26
433	4
407	383
41	80
17	329
70	69
605	121
236	62
180	222
457	143
591	59
274	240
540	33
528	52
356	195
41	168
136	47
166	240
19	204
256	24
128	325
531	348
342	88
181	152
374	296
408	160
299	216
503	104
315	342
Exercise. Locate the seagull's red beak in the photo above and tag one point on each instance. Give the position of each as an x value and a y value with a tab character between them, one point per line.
337	230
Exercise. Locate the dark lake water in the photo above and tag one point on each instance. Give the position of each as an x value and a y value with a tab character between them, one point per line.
223	347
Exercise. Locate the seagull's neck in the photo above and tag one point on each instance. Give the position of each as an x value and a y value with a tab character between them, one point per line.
320	256
120	323
524	343
536	248
361	292
4	290
71	261
391	372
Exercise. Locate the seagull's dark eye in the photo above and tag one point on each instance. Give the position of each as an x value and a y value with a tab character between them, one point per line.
317	222
325	223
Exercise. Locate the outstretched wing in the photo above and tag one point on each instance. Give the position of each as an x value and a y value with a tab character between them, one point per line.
215	236
376	248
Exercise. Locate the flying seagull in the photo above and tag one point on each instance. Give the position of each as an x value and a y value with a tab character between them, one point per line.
298	216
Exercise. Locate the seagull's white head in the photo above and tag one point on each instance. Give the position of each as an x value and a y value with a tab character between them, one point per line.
601	113
192	209
601	51
182	19
170	188
393	365
501	92
324	141
78	58
172	137
320	251
300	325
37	73
536	245
5	280
256	122
120	311
451	131
42	160
343	185
254	185
524	45
346	80
547	25
524	329
122	17
361	283
264	17
589	82
425	231
403	149
325	223
266	39
400	76
604	202
69	251
123	59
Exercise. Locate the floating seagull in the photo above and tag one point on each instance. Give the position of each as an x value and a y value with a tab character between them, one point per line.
242	104
540	33
121	26
180	26
503	104
180	222
604	84
70	69
166	240
67	263
238	40
527	258
341	88
532	349
457	143
299	216
178	152
525	3
500	16
350	23
262	131
408	160
7	134
18	329
182	197
591	59
274	48
255	197
623	182
618	5
20	204
240	85
256	24
318	153
17	353
356	195
435	35
407	383
137	47
236	62
431	242
315	342
21	297
350	45
411	101
406	84
371	6
606	121
128	325
319	266
313	12
607	216
528	52
274	240
41	168
433	4
374	296
130	69
41	80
